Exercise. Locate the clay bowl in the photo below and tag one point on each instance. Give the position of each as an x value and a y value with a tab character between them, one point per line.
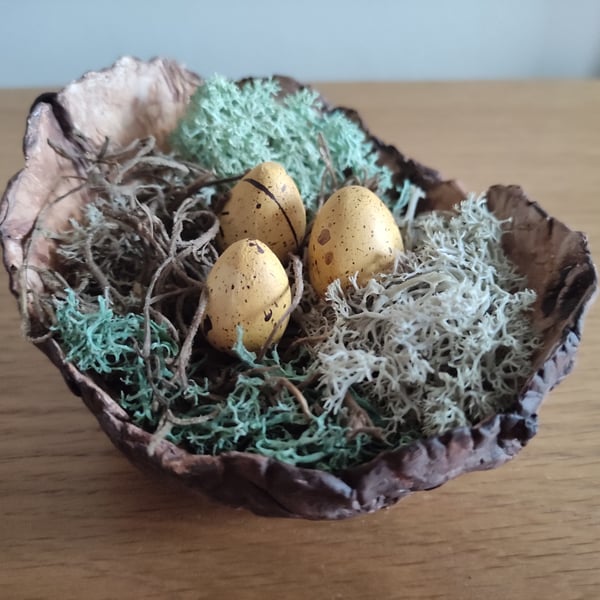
135	99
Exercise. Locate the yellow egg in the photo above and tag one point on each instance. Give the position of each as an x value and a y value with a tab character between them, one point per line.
265	205
353	232
247	286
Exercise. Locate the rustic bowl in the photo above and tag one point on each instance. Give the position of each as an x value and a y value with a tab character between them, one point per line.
135	99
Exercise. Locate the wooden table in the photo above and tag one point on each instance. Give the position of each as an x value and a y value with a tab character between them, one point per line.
77	521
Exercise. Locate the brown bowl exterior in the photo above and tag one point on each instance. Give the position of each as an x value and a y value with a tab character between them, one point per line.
135	99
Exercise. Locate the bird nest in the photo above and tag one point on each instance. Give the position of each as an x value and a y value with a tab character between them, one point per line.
434	369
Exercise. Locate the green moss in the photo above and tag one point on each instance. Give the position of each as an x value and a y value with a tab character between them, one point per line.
99	341
230	129
96	339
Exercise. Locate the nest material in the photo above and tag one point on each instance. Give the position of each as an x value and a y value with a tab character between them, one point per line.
135	99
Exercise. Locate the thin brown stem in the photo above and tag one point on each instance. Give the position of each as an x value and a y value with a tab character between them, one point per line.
298	291
190	421
284	382
202	182
326	156
185	353
359	420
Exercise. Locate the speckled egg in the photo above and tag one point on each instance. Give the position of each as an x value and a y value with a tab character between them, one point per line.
247	286
353	232
265	205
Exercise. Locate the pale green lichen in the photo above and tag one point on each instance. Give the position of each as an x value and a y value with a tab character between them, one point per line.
231	128
443	341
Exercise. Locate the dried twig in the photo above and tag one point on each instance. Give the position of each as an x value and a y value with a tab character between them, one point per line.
183	359
284	382
359	421
329	169
298	291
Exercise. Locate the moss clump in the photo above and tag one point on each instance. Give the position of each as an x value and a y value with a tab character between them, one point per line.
443	341
99	341
231	128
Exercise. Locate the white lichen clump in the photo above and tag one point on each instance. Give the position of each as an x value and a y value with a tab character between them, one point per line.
442	341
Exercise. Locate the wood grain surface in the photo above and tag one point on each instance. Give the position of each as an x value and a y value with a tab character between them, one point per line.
77	521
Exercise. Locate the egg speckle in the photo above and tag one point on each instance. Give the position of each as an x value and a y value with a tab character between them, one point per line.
265	205
246	287
353	232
